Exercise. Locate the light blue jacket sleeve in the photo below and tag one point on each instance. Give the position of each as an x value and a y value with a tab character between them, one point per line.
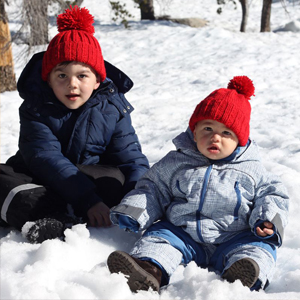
148	201
271	204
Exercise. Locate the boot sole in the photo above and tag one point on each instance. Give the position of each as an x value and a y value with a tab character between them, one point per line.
138	278
45	229
246	270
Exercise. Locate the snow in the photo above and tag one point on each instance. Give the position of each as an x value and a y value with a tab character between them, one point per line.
173	67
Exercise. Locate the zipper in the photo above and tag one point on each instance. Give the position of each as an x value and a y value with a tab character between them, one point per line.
202	196
239	200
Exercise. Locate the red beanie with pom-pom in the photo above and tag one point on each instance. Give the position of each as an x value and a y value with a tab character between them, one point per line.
74	42
228	106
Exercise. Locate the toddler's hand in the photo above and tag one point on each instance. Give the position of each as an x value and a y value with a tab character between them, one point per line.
99	215
265	230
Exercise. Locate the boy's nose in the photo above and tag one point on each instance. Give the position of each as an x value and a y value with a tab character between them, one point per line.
72	82
215	137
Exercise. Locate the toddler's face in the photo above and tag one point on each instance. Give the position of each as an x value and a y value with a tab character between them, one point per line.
214	140
73	83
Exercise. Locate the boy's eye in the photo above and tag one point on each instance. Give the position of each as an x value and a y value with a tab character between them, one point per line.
62	76
226	133
207	128
82	76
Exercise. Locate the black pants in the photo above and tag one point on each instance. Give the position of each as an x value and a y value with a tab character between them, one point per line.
22	199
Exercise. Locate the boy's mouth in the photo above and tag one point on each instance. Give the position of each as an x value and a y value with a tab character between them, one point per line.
72	97
213	149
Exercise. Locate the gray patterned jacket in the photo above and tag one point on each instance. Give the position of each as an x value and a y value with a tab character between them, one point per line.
211	200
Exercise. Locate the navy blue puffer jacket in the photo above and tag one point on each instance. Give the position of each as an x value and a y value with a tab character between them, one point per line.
53	138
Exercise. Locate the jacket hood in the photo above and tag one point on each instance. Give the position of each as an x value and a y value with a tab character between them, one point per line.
31	81
185	143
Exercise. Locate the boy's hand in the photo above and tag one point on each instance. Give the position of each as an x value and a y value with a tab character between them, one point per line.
99	215
265	230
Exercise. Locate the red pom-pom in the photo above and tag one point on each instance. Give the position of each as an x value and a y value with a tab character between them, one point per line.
243	85
76	18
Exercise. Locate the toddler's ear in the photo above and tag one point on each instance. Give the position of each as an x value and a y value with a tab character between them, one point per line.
194	133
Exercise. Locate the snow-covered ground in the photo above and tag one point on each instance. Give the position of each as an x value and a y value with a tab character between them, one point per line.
173	67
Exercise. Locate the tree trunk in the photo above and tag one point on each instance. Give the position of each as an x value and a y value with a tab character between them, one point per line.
245	12
265	25
7	75
147	9
36	16
65	5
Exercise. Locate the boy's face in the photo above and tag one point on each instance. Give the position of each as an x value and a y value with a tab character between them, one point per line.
214	140
73	83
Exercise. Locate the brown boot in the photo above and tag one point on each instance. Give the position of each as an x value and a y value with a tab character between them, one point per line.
246	270
141	274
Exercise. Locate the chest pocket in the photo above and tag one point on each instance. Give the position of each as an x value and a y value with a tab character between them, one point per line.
188	184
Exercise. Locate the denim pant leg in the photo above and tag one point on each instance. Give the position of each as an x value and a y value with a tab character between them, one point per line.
170	246
245	245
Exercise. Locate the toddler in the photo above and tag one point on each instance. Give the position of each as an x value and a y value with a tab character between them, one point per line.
210	201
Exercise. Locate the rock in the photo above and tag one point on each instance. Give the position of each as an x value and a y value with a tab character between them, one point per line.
193	22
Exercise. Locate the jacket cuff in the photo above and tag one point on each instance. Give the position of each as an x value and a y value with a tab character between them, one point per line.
274	238
277	222
123	209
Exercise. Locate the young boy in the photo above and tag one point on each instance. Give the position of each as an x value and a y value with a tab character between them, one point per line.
211	201
77	145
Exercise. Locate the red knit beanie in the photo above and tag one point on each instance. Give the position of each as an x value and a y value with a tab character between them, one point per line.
74	42
228	106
